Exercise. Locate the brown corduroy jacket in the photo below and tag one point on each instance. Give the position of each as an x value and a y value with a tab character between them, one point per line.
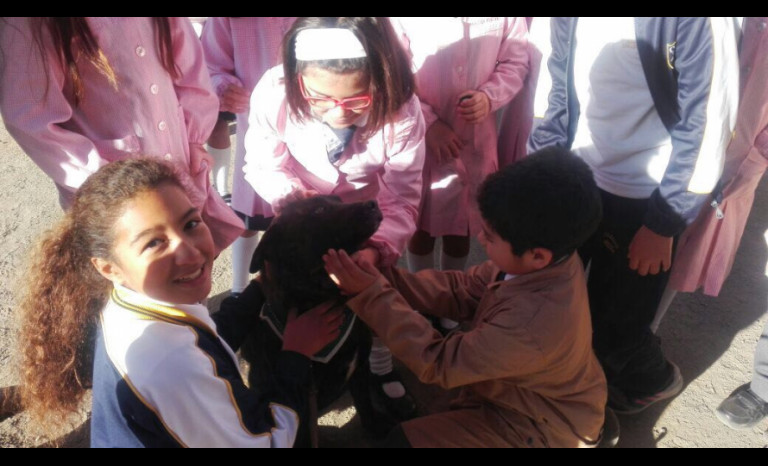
527	355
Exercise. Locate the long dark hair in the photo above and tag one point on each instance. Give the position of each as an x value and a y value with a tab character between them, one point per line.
64	293
71	36
387	65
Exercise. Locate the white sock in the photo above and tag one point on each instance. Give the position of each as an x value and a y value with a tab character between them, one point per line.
221	159
381	364
417	262
451	263
242	251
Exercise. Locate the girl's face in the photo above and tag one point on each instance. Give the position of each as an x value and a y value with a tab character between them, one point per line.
162	248
318	82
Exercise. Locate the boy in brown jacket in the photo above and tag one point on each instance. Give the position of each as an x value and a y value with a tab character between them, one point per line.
525	362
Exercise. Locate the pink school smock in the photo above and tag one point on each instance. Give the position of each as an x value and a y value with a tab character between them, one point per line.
517	119
149	113
239	51
708	247
283	154
450	56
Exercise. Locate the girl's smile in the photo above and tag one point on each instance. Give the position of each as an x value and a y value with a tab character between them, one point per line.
162	248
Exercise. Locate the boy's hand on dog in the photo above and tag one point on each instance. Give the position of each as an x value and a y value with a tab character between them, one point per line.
368	255
312	331
349	275
442	142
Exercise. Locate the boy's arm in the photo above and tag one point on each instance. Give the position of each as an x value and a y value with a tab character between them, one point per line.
496	348
452	294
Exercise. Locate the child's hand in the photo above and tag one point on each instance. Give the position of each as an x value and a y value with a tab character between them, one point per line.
293	196
474	106
313	330
351	277
650	253
442	142
200	162
234	99
370	255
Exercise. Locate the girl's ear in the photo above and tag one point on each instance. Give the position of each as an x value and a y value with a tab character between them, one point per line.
108	270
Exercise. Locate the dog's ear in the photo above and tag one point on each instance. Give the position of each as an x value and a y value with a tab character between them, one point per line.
267	244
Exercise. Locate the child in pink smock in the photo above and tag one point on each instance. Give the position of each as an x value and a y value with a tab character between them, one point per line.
466	69
238	52
339	117
708	247
78	93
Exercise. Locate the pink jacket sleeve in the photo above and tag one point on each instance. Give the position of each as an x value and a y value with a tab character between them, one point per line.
193	87
511	65
401	181
429	114
35	109
266	154
219	53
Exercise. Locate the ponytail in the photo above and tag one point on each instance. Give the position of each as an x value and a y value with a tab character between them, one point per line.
58	317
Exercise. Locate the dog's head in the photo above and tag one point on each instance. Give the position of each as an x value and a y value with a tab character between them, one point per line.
289	255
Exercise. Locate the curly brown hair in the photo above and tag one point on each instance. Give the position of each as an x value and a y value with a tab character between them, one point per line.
64	293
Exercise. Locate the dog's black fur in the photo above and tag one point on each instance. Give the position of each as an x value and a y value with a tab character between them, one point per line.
289	258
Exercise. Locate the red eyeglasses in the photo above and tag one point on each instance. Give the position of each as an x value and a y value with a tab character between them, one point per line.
326	103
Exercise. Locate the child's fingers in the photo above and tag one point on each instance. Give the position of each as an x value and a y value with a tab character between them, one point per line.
349	265
369	268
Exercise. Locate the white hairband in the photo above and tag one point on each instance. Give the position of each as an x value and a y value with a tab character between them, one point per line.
328	44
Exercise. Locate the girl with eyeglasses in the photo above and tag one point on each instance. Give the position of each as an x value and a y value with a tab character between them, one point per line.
340	117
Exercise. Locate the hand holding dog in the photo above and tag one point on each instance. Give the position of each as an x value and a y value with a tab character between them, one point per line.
369	255
312	331
350	276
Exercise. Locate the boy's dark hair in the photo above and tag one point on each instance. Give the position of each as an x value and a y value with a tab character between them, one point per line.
547	200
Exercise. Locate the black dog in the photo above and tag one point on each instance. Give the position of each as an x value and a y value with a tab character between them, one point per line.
289	258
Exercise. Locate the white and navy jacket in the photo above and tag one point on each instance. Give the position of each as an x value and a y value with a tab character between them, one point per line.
164	377
691	66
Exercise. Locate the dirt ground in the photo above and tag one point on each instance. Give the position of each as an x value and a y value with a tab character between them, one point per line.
711	339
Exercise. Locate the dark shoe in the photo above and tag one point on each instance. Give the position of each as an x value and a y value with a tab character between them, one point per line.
609	436
228	199
399	409
621	403
743	409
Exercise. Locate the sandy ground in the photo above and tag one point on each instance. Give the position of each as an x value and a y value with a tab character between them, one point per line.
712	340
